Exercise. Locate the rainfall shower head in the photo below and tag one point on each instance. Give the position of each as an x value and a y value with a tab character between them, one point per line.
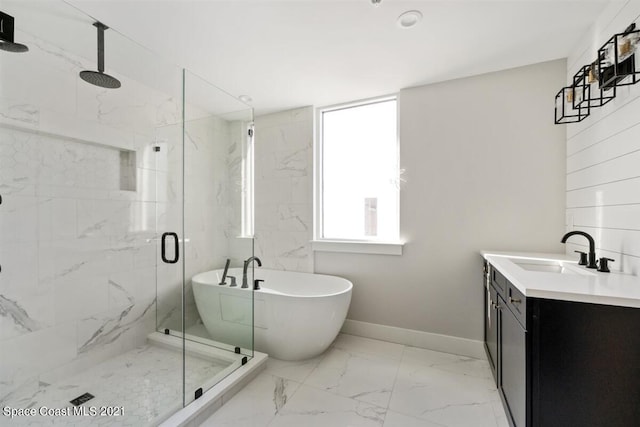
99	78
13	47
6	35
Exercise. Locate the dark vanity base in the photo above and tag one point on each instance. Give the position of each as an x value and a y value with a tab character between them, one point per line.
585	364
562	363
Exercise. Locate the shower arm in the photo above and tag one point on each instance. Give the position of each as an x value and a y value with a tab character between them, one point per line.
101	27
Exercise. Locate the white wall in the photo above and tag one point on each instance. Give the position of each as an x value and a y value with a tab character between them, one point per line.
603	157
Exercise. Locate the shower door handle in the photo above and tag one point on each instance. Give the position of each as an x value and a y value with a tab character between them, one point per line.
163	248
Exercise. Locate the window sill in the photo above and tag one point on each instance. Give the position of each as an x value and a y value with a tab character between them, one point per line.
357	247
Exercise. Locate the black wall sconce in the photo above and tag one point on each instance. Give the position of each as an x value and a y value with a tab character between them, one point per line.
566	110
588	91
594	85
618	65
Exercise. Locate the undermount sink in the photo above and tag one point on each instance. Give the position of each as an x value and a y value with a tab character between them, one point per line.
548	266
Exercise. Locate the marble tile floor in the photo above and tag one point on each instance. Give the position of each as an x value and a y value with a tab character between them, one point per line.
146	382
364	382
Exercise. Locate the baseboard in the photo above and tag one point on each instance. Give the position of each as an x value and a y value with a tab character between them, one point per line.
437	342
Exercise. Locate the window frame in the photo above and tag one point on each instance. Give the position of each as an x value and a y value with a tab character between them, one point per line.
367	246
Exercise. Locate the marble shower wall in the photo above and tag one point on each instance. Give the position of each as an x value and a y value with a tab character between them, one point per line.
79	254
284	189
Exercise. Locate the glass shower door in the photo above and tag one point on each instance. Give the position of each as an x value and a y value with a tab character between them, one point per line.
218	317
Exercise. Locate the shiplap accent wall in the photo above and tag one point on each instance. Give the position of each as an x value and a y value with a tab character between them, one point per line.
603	157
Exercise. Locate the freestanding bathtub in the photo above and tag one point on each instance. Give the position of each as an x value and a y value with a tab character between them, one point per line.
296	315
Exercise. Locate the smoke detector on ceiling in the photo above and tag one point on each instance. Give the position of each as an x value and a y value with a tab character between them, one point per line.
409	19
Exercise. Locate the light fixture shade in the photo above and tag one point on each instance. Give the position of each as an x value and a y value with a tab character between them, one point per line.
587	90
618	65
564	110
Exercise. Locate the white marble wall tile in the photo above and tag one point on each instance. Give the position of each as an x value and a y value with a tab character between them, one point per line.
291	264
32	76
18	162
61	260
37	352
73	164
25	308
292	163
283	199
292	245
81	296
104	218
109	327
302	190
19	219
272	191
130	287
57	218
294	217
19	267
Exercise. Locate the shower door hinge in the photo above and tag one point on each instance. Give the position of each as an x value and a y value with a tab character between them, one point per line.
244	360
198	393
250	132
237	350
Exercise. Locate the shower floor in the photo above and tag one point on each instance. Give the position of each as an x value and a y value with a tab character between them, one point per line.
146	383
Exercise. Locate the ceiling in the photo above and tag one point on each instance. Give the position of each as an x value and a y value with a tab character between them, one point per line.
286	54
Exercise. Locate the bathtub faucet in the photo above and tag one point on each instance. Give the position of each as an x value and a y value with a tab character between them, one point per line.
246	266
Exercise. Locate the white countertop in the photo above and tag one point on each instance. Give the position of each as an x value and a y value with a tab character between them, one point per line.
592	286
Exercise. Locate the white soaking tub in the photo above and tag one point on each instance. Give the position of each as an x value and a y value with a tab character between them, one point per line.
296	315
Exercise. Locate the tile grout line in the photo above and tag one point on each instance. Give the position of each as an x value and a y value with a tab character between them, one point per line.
395	381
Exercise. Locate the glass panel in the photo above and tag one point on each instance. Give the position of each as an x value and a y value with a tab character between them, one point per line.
218	316
85	199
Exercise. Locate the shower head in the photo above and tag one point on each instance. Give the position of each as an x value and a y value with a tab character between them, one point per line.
100	78
13	47
6	35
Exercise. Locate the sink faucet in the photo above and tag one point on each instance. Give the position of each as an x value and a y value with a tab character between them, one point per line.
246	266
592	246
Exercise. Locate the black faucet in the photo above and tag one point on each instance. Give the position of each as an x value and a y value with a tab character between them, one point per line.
246	266
592	246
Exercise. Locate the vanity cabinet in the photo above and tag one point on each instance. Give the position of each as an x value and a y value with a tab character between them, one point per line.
562	363
491	324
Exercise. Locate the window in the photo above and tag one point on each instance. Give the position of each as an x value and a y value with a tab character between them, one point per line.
357	192
246	228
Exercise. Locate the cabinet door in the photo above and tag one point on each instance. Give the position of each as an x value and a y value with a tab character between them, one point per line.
491	328
513	362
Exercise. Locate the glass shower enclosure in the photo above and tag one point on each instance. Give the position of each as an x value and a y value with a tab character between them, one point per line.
111	201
